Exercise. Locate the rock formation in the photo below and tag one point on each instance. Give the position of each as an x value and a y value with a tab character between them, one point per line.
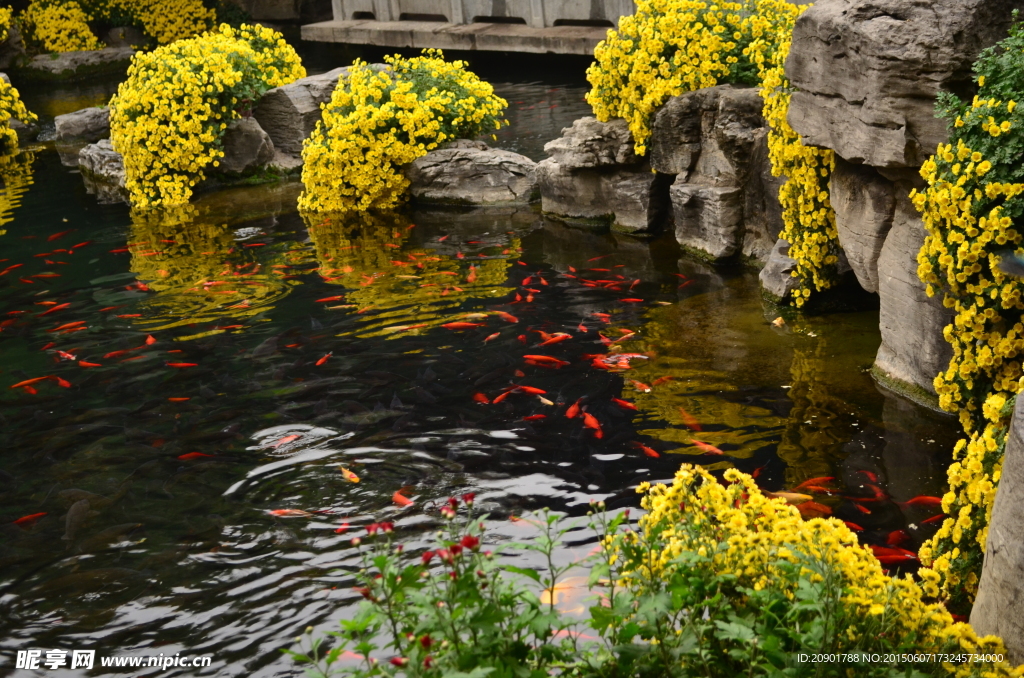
88	125
865	75
469	173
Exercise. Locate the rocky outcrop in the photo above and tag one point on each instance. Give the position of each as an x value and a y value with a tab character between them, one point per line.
865	75
999	607
724	199
289	113
471	173
593	176
776	279
246	147
913	350
866	72
88	125
67	66
864	202
13	48
102	170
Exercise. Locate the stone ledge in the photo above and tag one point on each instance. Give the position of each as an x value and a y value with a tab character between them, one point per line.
479	36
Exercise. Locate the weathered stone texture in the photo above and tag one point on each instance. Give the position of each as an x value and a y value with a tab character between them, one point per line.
775	276
289	113
864	202
77	65
472	176
103	172
999	607
866	72
913	350
87	124
589	143
246	147
708	218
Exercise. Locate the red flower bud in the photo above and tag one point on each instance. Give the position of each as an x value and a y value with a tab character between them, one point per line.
399	661
446	556
356	541
456	550
372	528
427	555
468	498
364	592
470	542
426	641
387	528
428	661
453	502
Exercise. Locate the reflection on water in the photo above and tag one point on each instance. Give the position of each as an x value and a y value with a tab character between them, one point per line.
16	175
180	445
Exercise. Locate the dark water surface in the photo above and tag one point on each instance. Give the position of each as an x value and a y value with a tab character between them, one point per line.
241	355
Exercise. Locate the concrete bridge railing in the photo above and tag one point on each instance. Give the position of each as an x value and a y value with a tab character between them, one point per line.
533	13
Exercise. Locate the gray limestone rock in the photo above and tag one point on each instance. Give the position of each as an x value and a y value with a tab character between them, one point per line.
576	194
762	213
13	48
637	200
77	65
26	131
999	607
102	170
864	202
472	176
776	278
913	350
246	147
708	218
866	72
289	113
589	143
87	124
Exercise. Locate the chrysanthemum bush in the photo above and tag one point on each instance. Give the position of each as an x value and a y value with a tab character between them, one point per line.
717	580
668	47
379	120
64	25
973	211
169	117
11	108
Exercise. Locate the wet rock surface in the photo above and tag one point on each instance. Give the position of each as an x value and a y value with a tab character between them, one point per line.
102	170
87	124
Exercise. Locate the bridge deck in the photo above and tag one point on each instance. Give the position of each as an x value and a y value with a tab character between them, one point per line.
476	36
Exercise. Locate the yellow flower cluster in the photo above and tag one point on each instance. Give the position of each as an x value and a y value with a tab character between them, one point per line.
58	26
163	20
748	535
6	16
379	120
668	47
11	107
971	215
809	223
168	118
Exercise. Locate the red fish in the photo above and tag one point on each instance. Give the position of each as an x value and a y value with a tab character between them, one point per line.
66	356
813	481
532	390
508	317
82	363
897	537
624	404
178	365
504	394
179	400
29	382
632	301
812	509
54	309
28	521
582	328
285	440
853	526
934	519
471	278
590	421
689	420
324	359
923	501
290	513
326	299
707	448
888	551
114	354
640	386
545	359
481	398
871	476
896	559
401	499
646	450
661	380
862	509
535	417
62	383
193	455
555	338
461	325
574	410
150	340
443	238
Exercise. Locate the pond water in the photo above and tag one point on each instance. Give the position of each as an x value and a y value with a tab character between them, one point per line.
212	365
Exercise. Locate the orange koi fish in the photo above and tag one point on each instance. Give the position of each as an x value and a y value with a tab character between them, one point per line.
555	338
178	365
689	420
324	359
290	513
82	363
193	455
492	336
26	522
535	417
508	317
812	509
706	448
923	501
348	475
401	499
624	404
853	526
54	309
285	440
646	450
574	410
814	481
461	326
640	386
150	340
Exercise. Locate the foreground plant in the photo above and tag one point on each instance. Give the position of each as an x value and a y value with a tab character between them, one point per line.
379	120
718	580
168	118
